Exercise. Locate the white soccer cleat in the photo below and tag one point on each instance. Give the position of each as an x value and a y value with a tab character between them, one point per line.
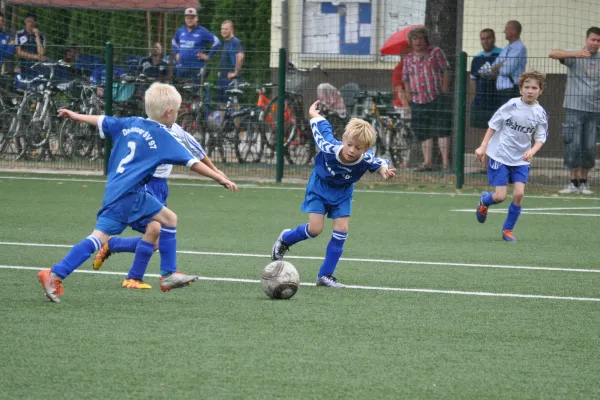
280	247
329	281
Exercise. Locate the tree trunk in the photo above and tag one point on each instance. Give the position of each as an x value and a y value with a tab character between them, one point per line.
441	21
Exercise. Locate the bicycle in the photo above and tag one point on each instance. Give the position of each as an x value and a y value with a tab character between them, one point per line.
394	136
33	124
77	139
298	142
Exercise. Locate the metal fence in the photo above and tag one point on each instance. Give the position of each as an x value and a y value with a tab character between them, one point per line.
238	124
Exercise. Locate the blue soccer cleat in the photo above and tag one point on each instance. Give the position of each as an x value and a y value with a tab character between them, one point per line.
482	210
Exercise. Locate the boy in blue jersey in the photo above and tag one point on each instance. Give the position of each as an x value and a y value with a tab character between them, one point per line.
330	188
189	45
157	187
140	145
507	143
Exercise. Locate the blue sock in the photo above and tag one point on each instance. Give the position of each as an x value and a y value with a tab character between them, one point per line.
512	217
123	245
142	256
77	256
333	253
297	235
167	246
488	200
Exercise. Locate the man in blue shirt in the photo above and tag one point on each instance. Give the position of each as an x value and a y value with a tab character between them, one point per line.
7	45
485	102
31	45
232	58
140	146
511	63
189	45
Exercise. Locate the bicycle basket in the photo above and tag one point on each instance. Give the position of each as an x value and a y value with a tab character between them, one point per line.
295	81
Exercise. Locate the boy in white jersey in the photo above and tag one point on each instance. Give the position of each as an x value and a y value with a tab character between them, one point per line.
157	187
338	165
507	143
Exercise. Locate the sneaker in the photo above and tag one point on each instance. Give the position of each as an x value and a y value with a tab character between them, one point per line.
482	210
508	236
102	256
176	280
135	284
280	247
52	287
584	189
329	281
570	189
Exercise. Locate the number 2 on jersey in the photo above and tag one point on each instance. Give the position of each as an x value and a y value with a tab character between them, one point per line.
127	158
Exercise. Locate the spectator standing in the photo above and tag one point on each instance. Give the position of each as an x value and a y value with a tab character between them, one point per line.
426	77
232	58
483	81
7	45
189	45
154	65
31	45
511	63
582	109
398	84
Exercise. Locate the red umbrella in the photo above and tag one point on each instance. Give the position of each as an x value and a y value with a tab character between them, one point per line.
397	44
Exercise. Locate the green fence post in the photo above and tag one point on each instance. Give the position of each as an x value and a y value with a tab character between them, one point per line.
462	115
280	113
108	96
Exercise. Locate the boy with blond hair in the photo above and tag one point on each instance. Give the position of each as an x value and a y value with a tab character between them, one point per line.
330	188
507	143
140	145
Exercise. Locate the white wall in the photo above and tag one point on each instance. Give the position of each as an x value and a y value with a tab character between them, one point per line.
547	24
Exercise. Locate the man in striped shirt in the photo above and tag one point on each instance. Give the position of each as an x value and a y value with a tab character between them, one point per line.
426	77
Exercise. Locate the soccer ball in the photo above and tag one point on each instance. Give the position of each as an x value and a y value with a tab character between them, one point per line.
280	280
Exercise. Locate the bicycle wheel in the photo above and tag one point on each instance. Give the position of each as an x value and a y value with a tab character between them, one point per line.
7	129
401	142
76	139
32	129
300	147
191	123
251	144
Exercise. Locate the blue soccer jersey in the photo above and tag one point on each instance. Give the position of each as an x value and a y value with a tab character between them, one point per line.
327	162
140	145
187	44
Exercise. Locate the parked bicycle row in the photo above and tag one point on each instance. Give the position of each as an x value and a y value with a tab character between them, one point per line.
231	132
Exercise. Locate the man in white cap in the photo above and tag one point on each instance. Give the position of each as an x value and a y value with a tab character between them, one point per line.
190	44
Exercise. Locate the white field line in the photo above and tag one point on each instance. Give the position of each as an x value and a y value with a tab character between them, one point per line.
504	211
361	260
260	187
377	288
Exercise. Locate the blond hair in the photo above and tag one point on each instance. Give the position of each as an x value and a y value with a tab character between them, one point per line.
160	98
360	131
540	77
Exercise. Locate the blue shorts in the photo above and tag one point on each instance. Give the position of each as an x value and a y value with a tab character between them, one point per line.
158	188
115	217
322	198
501	175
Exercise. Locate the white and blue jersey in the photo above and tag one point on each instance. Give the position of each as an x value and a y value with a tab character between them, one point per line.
140	145
331	185
157	186
188	43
